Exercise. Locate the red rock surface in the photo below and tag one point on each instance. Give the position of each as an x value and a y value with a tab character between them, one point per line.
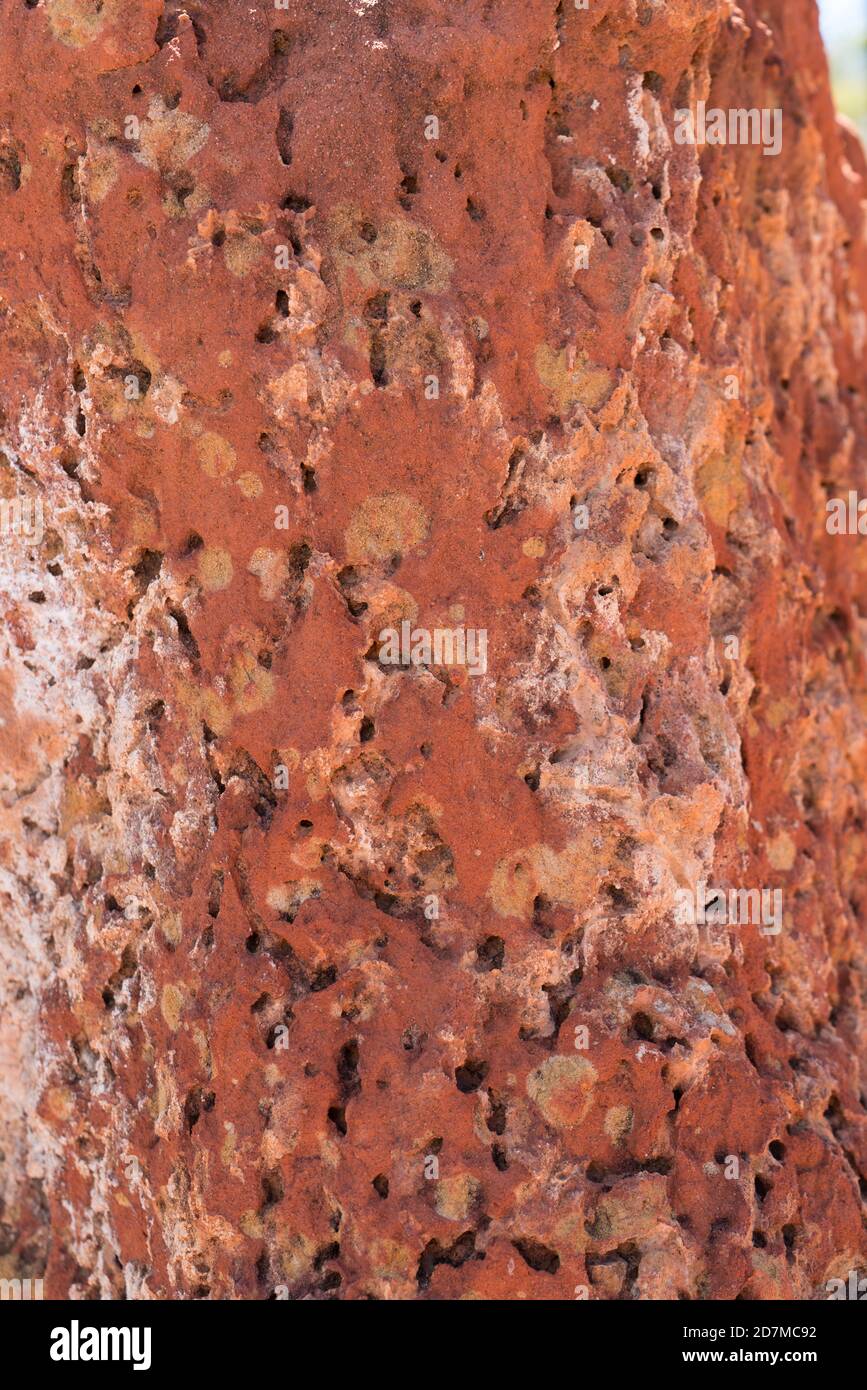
232	1039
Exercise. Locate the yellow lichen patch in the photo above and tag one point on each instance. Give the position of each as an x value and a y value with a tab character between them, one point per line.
287	1117
198	705
170	926
116	382
317	774
60	1101
691	820
778	713
176	205
390	1260
570	1232
215	568
290	758
456	1196
169	138
78	22
397	254
389	524
227	1148
296	1253
216	712
203	1048
634	1212
388	606
288	897
249	485
413	350
251	1224
572	378
252	687
100	172
171	1006
782	852
720	486
617	1123
217	458
241	251
566	876
513	887
562	1088
534	547
82	801
372	981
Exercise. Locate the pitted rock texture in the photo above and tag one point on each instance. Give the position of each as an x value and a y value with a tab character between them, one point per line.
329	978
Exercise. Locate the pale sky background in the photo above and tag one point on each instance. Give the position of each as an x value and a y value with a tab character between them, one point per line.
841	17
844	28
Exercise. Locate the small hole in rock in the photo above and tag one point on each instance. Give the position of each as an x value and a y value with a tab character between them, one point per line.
470	1075
491	953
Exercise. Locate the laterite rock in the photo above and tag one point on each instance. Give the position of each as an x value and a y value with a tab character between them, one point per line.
432	740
